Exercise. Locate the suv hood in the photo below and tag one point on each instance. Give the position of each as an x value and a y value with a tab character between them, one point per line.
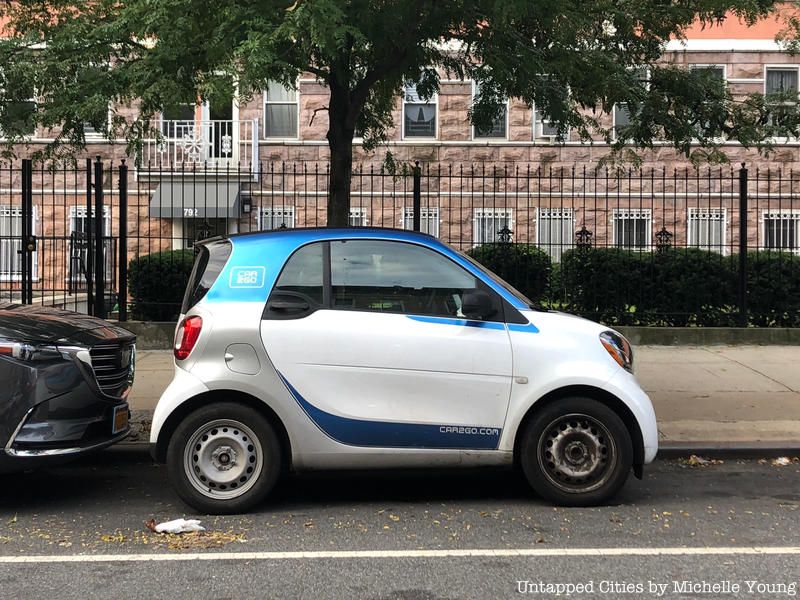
36	324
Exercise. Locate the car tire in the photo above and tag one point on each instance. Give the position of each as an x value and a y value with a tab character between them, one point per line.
576	452
224	458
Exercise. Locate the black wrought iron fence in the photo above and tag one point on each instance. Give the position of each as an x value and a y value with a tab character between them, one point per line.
711	246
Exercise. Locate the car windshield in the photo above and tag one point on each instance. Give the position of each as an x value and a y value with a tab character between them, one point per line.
500	281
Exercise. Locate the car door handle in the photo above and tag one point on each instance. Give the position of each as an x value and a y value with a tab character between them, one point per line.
288	305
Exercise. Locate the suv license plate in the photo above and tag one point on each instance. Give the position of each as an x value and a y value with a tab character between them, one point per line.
120	419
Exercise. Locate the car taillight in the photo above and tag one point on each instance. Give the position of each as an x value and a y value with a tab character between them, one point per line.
186	336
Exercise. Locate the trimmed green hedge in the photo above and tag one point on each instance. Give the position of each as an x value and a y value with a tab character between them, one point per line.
680	287
525	267
157	282
773	288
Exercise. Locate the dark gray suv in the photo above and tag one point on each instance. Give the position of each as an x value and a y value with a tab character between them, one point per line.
64	380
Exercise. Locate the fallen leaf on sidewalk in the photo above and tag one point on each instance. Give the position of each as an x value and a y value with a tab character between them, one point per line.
783	461
699	461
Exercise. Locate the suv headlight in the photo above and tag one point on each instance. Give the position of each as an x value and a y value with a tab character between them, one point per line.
28	352
619	348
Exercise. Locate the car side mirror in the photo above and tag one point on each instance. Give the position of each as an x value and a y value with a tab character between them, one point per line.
477	304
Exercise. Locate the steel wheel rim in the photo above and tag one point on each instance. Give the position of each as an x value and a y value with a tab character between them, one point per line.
223	459
577	453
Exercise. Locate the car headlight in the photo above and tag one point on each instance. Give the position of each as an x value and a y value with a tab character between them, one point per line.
619	348
28	352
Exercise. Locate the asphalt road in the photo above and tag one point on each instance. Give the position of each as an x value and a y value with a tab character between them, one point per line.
78	532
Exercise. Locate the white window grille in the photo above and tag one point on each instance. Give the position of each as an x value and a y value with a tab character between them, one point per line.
782	230
428	219
358	216
489	222
80	228
276	217
707	228
11	243
632	228
555	231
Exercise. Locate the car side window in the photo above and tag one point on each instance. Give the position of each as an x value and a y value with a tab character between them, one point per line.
303	274
397	277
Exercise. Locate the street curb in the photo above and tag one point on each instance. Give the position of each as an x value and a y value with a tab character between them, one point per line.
667	450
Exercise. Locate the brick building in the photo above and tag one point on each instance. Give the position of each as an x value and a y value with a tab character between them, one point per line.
260	164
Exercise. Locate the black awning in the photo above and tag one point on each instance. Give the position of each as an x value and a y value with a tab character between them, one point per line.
195	200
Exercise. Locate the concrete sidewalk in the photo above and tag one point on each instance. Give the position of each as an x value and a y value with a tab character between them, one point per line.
706	394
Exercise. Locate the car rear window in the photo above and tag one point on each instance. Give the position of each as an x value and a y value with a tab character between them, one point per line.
207	266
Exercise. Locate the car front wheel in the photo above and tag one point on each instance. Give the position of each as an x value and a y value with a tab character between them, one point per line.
576	452
224	458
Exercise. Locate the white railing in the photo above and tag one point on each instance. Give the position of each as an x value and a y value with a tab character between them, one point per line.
201	145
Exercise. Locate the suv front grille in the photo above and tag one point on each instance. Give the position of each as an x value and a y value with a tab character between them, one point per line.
112	367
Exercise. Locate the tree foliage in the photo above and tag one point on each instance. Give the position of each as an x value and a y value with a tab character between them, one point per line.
572	59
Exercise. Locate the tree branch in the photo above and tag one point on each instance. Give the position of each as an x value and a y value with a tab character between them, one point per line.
321	73
316	110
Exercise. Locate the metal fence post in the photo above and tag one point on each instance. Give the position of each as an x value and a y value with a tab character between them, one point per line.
89	266
417	196
99	262
122	296
28	244
742	287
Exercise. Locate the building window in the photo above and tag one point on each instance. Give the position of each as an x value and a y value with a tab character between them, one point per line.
715	71
21	115
80	228
276	217
11	243
555	231
622	112
179	121
358	216
97	127
782	230
707	228
97	123
500	123
543	127
781	81
428	219
632	229
622	118
489	222
281	110
419	115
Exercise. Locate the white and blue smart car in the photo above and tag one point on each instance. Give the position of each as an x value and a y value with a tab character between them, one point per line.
372	348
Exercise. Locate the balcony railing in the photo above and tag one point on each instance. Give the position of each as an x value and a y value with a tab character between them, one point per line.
197	146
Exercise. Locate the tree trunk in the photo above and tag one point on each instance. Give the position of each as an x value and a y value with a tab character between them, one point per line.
340	141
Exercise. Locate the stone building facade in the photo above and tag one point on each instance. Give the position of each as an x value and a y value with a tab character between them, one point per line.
261	164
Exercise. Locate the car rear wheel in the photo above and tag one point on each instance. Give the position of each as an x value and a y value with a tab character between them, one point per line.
576	452
224	458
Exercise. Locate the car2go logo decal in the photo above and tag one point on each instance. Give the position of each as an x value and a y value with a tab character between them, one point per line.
383	434
247	277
